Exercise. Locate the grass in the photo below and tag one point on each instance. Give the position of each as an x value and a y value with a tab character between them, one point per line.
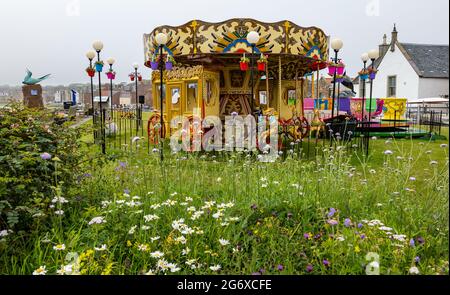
227	213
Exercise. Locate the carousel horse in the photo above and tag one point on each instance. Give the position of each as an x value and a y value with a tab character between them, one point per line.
300	125
379	111
317	125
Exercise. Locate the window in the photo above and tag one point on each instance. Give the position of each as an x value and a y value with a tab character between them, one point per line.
392	86
191	101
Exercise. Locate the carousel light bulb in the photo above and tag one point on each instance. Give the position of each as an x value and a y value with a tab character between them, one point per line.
136	66
374	54
253	37
161	39
337	44
111	61
90	54
98	46
365	57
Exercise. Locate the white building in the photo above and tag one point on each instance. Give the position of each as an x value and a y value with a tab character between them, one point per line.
407	70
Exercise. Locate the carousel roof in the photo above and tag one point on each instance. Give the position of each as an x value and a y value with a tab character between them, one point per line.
302	50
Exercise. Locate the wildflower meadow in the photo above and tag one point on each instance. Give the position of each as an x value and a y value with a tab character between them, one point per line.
223	212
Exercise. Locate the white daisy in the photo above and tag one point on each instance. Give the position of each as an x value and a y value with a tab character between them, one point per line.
97	220
157	254
215	267
59	247
150	217
59	212
414	270
41	271
224	242
102	248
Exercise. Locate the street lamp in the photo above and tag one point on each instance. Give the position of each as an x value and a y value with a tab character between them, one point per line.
374	54
98	46
337	45
365	58
136	67
161	40
111	77
91	55
252	38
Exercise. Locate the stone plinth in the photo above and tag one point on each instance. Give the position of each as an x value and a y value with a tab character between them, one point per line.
32	96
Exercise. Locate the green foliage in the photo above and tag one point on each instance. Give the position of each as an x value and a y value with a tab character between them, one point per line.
249	217
26	178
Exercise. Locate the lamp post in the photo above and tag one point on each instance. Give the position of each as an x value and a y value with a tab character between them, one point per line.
373	55
111	62
337	45
98	46
161	40
364	58
136	67
252	38
91	55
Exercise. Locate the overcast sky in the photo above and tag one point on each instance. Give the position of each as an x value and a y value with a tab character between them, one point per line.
52	36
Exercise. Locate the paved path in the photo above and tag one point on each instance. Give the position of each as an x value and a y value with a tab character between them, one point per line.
81	122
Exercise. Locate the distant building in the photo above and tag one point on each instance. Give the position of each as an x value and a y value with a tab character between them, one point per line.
408	70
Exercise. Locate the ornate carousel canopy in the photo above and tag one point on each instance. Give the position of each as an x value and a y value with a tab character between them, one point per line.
299	50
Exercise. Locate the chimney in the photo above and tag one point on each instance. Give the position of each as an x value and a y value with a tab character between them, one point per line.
383	48
394	38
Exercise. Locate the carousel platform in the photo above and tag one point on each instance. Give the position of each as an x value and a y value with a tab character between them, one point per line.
398	129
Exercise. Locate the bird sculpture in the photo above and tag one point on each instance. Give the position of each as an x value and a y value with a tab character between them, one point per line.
347	82
29	80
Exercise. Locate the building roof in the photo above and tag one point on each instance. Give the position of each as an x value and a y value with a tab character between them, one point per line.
429	61
429	100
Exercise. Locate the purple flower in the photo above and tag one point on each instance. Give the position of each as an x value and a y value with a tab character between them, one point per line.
126	191
360	225
318	236
412	243
307	236
332	212
309	268
254	207
332	222
87	175
347	222
256	274
362	236
290	215
421	240
280	267
417	259
46	156
326	262
262	271
122	164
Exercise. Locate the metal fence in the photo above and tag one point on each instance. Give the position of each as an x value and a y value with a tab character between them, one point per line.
126	129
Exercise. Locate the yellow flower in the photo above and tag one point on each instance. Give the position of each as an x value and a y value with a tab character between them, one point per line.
107	270
357	250
129	244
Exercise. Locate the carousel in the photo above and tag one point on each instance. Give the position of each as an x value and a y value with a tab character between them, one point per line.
215	69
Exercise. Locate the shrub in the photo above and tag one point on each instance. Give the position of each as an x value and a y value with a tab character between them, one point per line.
36	154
